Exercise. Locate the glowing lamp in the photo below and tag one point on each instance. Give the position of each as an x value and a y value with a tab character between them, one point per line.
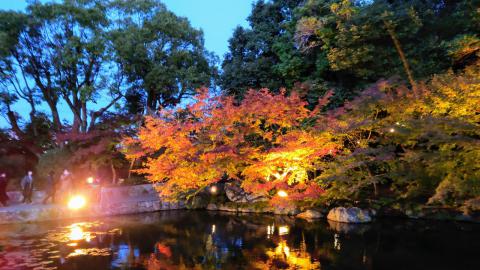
90	180
282	193
283	230
213	189
391	130
77	202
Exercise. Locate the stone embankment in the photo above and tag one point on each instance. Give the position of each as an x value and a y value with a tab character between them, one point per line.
106	201
109	201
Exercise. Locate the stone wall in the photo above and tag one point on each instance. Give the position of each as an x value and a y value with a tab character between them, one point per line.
17	197
112	201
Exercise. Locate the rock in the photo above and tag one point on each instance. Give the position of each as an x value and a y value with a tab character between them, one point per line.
473	204
310	214
286	210
227	208
349	215
212	207
199	202
238	195
414	214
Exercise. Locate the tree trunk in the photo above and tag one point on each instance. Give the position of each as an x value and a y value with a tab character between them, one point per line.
403	58
33	123
84	117
57	124
114	173
12	118
76	123
151	102
132	163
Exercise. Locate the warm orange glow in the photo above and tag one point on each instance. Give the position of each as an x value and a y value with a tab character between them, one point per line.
213	189
392	130
90	180
77	202
270	230
76	233
297	259
282	193
283	230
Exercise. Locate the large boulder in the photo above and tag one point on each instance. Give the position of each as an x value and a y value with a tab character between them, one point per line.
237	194
310	214
349	215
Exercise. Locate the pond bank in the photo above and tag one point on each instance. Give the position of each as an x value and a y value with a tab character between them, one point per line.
108	201
350	213
144	198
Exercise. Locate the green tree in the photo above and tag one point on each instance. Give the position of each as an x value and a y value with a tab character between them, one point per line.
74	39
381	38
13	76
61	51
161	54
252	57
317	45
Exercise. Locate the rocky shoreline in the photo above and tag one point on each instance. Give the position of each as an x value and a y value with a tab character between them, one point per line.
344	214
231	198
144	198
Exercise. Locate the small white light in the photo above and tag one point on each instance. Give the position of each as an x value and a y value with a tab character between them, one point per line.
282	193
213	189
392	130
90	180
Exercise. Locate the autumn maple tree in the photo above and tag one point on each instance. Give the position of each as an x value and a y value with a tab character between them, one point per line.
266	143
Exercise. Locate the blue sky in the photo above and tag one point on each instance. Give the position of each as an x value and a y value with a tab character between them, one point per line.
217	19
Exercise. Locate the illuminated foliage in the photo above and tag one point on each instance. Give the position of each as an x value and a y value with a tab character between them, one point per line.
266	143
414	146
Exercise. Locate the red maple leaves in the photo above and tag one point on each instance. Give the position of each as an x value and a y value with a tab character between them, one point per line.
263	143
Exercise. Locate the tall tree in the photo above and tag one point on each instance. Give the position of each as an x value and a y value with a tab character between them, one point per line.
75	41
161	54
344	44
61	51
13	77
251	60
375	39
23	60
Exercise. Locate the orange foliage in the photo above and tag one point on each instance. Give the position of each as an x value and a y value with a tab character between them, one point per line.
263	143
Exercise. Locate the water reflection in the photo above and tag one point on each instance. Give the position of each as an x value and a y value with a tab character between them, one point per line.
190	240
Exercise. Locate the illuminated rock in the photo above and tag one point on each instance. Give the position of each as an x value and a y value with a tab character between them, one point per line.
349	215
310	214
238	195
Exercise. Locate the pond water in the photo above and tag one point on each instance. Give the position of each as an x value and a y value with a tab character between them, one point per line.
209	240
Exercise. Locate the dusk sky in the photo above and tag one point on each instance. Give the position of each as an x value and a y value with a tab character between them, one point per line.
217	19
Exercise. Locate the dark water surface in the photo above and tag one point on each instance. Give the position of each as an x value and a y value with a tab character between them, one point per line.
207	240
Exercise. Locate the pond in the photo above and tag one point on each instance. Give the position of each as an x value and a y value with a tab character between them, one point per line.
213	240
